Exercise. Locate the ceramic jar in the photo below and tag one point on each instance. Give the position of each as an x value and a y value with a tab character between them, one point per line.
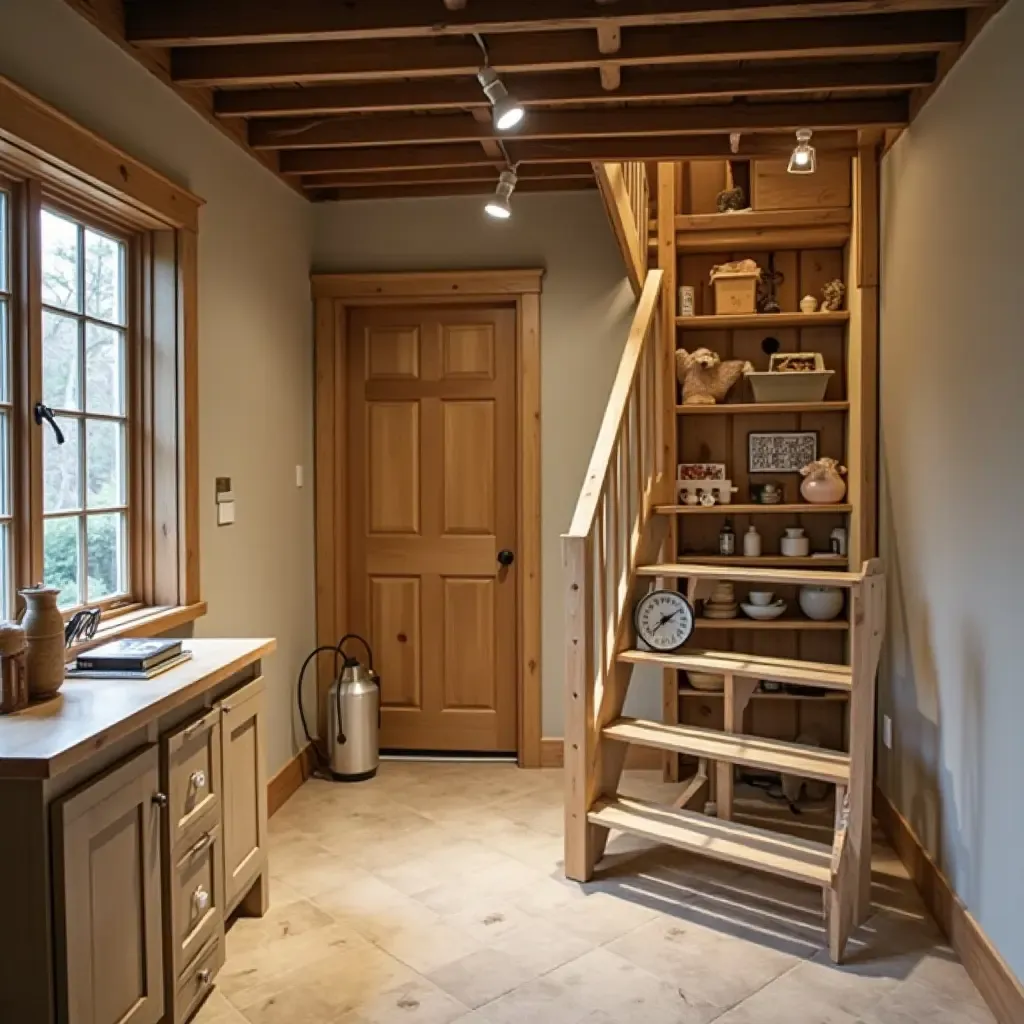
795	544
13	675
752	543
821	603
823	483
808	304
44	631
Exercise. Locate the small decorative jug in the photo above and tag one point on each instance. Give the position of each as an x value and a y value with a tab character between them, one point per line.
823	482
44	631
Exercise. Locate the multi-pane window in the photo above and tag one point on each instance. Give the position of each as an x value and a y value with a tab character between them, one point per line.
84	349
6	412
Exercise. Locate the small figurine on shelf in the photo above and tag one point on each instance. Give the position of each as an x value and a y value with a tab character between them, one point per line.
731	199
705	379
832	296
765	494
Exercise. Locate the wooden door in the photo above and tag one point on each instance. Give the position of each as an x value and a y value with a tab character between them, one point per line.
432	500
244	777
107	895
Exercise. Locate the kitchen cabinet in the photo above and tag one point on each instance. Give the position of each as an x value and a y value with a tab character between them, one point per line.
108	908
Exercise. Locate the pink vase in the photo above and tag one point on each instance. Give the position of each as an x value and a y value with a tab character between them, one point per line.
827	489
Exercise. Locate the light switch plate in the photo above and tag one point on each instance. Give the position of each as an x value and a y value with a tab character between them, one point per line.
225	513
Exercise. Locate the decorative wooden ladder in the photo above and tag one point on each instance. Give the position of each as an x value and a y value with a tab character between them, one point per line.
611	556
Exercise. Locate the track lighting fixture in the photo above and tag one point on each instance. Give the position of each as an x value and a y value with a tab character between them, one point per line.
498	206
804	159
507	112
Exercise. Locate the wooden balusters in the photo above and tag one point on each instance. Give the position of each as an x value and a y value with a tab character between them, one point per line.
626	194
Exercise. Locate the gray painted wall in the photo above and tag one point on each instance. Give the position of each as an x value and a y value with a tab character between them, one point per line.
586	309
952	411
255	347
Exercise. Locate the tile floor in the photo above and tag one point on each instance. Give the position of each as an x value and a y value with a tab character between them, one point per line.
433	894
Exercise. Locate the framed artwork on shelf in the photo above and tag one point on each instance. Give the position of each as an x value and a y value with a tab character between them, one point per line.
700	471
781	451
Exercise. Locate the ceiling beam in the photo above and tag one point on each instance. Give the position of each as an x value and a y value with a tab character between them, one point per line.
169	23
464	188
439	175
675	147
290	134
546	51
576	87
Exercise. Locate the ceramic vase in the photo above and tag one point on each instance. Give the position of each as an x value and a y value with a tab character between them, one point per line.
44	631
823	490
821	603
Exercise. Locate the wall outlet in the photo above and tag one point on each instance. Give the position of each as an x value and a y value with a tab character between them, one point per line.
887	731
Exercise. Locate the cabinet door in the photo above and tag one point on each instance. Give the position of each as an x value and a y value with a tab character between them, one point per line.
244	785
107	886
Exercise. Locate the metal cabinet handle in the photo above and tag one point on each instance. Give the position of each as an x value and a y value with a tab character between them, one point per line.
160	799
204	976
201	845
197	780
201	900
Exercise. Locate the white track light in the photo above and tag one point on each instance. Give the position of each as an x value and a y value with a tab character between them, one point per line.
804	159
507	112
498	206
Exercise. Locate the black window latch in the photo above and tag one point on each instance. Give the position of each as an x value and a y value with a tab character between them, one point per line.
44	412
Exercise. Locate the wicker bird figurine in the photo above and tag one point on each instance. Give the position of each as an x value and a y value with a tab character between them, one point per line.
705	379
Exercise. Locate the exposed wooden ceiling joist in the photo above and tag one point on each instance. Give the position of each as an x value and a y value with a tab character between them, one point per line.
440	175
554	51
289	134
577	88
678	147
210	23
463	188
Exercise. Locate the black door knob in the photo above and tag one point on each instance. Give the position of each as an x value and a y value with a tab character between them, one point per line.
506	557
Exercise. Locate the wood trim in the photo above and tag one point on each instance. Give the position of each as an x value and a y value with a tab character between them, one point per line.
443	284
639	759
287	782
39	138
188	416
1001	989
335	295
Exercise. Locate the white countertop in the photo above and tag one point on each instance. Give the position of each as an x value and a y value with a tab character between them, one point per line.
87	714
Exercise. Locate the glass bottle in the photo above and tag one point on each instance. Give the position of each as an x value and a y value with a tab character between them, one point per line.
727	539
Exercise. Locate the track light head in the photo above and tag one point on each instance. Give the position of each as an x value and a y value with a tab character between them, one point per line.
804	159
507	112
498	206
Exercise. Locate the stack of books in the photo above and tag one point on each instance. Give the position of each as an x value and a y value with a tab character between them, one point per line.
129	659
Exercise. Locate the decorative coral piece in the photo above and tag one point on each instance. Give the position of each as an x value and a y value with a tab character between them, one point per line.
832	295
706	380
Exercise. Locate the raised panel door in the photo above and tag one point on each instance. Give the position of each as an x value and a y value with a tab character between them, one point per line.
432	459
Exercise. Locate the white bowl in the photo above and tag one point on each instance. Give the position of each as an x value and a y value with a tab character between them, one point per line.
762	598
821	603
762	613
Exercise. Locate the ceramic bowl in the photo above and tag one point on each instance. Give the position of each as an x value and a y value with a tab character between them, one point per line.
762	598
821	603
708	681
764	613
795	547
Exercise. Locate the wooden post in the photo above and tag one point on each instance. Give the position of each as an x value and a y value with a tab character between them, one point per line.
577	554
738	692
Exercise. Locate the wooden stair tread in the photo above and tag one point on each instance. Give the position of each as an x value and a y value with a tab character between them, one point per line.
734	748
774	670
749	847
752	574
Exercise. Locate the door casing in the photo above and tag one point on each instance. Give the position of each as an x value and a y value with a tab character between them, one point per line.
334	296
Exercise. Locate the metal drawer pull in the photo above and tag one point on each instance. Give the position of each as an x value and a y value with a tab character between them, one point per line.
190	730
204	976
201	900
160	799
197	780
201	845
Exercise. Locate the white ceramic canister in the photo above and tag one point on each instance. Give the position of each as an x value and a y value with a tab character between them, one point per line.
752	543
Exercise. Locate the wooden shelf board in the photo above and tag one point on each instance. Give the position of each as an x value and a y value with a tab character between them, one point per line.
766	561
754	848
783	623
755	219
734	748
762	321
760	408
835	696
750	510
751	574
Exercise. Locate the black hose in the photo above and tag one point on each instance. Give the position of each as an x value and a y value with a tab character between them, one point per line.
321	758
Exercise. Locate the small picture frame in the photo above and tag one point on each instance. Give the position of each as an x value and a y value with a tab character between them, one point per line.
781	451
700	471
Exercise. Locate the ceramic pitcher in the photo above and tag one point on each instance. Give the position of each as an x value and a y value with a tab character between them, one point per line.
44	631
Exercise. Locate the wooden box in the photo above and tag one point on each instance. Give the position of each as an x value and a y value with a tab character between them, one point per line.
736	294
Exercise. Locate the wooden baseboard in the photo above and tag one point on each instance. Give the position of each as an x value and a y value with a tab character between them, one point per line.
289	779
552	755
999	986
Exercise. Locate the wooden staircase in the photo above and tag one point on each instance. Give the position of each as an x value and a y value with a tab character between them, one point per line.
620	543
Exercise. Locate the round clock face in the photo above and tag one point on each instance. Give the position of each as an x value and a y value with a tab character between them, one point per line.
663	620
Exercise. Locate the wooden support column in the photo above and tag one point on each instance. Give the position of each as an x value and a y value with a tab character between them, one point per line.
738	691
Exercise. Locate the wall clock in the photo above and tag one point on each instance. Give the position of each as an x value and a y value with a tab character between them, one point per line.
663	620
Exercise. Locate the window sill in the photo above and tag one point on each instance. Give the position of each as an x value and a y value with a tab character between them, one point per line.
140	622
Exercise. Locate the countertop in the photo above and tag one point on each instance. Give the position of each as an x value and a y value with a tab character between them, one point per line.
48	738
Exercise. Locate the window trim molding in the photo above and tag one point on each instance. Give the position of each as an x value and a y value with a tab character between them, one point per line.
45	152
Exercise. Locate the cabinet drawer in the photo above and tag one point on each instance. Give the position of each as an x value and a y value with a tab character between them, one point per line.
197	897
197	981
192	776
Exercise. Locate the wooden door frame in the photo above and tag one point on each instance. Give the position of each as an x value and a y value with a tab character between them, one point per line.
334	296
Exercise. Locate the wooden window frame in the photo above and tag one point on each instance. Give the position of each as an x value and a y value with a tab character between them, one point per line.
335	295
48	159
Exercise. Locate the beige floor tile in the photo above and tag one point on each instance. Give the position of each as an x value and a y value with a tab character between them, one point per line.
540	1001
217	1010
600	917
416	1002
284	919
